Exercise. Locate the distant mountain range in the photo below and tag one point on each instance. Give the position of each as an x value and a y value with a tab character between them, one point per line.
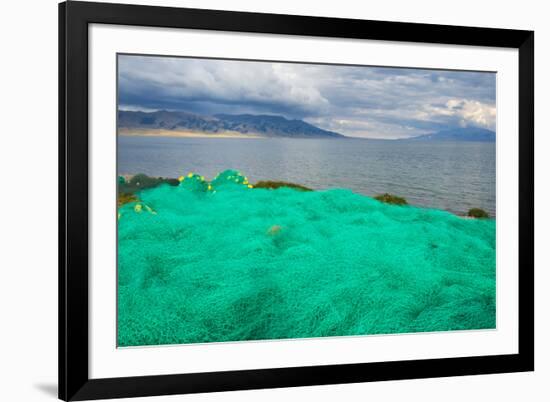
246	124
459	134
262	126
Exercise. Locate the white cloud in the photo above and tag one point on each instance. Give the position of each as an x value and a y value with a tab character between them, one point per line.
136	108
467	112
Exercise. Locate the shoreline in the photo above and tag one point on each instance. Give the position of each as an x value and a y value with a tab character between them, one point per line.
463	215
140	132
181	133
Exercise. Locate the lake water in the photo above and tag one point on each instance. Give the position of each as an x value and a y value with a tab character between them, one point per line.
454	176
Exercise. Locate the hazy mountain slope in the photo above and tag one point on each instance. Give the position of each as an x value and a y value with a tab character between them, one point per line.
459	134
274	126
258	125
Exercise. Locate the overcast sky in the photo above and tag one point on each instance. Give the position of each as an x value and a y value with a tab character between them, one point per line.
356	101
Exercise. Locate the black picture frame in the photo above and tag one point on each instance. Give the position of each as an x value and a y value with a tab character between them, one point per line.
74	18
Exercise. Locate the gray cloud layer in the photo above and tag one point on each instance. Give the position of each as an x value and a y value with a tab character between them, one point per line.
359	101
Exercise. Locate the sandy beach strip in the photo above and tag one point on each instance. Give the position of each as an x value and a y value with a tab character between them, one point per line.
137	132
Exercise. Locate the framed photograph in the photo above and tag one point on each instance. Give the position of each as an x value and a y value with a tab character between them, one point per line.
258	201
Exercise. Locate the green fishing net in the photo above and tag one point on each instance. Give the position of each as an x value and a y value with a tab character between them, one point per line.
232	178
194	183
220	261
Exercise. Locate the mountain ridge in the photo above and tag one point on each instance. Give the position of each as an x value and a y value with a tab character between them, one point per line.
245	124
458	134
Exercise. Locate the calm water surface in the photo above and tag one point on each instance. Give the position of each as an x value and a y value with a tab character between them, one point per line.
454	176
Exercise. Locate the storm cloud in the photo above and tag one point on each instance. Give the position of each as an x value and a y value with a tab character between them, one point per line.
359	101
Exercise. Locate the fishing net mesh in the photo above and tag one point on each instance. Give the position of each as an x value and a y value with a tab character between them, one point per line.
220	261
